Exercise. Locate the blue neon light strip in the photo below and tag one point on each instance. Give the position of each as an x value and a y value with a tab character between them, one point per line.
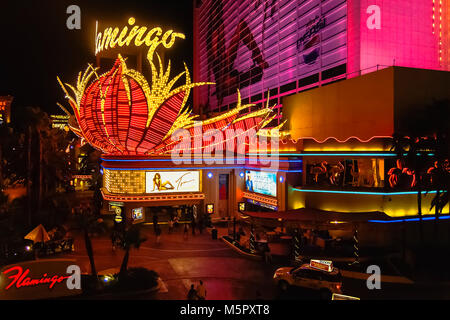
198	168
361	192
337	154
410	219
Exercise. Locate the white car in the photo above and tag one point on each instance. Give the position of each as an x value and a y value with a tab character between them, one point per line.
306	276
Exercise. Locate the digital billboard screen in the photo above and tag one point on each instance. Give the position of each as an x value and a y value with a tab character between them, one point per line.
261	182
172	181
255	46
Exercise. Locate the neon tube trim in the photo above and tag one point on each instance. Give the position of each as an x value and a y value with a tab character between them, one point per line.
200	168
162	160
361	192
409	220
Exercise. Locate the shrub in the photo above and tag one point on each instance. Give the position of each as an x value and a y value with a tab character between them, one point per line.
138	279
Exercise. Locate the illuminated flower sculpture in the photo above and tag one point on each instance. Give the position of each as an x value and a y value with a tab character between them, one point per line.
120	113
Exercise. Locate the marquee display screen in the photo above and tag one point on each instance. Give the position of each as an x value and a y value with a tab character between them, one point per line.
172	181
255	46
261	182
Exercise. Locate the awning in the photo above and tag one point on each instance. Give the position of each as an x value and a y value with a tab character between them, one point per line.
306	216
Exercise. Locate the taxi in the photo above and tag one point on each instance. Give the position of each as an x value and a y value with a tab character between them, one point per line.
317	275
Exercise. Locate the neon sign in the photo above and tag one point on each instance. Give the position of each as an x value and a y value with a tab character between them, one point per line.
323	265
20	279
110	38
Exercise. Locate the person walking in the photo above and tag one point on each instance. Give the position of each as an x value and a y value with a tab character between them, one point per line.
186	231
192	294
158	235
200	224
267	254
201	291
170	225
155	222
114	240
175	223
193	224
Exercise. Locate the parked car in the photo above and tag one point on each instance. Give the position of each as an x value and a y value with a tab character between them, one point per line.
307	276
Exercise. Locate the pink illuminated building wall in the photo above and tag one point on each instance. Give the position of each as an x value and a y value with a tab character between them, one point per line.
288	46
408	33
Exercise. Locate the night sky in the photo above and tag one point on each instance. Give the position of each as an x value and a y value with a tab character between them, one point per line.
36	45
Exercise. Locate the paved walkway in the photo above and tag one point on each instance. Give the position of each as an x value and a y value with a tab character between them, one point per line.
180	262
227	275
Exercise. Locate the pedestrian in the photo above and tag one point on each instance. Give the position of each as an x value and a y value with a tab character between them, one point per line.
158	235
175	223
192	294
186	231
170	225
193	226
155	222
114	240
201	291
267	255
88	209
200	224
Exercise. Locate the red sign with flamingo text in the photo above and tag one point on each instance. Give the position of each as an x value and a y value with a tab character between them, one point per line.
43	279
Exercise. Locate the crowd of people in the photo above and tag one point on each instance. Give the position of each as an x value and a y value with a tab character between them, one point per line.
197	223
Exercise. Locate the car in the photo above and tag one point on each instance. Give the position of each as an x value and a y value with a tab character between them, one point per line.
327	280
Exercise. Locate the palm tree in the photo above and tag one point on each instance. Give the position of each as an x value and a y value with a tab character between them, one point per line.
440	178
408	148
35	123
88	223
132	239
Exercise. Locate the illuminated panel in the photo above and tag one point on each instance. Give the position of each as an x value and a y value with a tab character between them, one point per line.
260	198
412	33
260	45
124	181
172	181
154	197
261	182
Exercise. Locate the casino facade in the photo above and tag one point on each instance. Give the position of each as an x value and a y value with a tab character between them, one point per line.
344	76
320	86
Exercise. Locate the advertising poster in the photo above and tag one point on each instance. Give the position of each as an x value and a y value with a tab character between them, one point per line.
261	182
172	181
137	213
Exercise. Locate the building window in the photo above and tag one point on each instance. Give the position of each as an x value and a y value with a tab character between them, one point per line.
358	172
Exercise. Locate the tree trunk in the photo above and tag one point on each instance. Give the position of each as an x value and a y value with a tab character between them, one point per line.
124	266
90	252
41	172
436	217
29	175
419	208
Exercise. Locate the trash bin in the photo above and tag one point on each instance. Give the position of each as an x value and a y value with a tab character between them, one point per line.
214	234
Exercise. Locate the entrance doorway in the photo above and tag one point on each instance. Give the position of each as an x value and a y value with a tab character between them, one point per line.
223	194
166	213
